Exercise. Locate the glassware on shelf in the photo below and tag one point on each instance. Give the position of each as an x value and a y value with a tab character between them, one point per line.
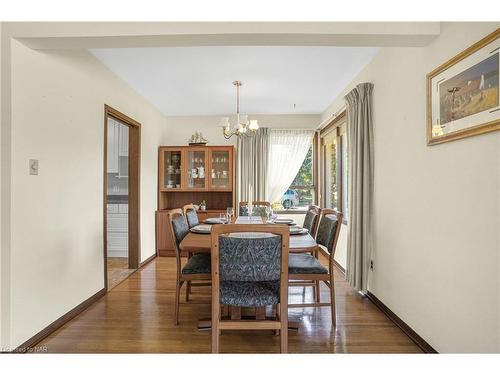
220	174
197	170
172	169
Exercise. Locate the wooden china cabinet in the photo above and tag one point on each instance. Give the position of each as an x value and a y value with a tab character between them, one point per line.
192	174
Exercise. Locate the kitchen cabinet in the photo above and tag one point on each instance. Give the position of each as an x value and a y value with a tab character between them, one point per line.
117	230
123	141
113	137
117	147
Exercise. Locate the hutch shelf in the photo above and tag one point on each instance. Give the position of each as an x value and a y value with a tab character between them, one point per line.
192	174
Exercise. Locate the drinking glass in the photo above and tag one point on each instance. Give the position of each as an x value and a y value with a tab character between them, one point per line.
222	217
268	212
230	213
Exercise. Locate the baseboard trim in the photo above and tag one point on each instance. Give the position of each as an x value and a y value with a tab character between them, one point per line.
414	336
28	345
146	261
341	269
51	328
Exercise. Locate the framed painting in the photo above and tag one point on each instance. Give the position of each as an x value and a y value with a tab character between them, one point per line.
463	93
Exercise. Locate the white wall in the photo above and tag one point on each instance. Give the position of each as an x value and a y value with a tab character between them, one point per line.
1	260
185	126
58	102
436	208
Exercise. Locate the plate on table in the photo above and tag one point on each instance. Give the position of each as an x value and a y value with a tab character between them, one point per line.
202	229
283	221
215	220
298	230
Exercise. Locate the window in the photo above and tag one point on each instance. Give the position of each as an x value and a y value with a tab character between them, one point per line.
334	161
344	171
301	192
331	192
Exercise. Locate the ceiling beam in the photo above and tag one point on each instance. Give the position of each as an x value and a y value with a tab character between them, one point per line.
77	35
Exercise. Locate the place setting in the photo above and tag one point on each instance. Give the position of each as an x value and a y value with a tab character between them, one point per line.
282	220
297	230
205	228
201	229
294	228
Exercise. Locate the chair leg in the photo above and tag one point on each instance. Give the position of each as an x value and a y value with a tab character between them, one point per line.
332	300
215	338
215	332
177	297
317	291
284	328
276	315
188	290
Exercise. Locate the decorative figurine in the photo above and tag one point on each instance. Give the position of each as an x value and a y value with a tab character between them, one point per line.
197	139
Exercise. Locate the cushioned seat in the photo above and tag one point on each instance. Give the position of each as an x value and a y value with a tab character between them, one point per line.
198	263
305	264
249	293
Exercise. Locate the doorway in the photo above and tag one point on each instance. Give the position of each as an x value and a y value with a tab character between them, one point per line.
121	196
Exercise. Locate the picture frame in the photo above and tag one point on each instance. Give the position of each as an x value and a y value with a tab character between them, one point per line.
463	97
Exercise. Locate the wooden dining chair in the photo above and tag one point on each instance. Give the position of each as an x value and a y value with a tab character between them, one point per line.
190	212
192	218
312	219
311	222
250	271
306	267
197	266
259	208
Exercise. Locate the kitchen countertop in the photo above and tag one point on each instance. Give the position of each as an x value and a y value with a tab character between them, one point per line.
115	199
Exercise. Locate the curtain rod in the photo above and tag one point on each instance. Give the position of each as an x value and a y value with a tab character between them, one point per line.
332	117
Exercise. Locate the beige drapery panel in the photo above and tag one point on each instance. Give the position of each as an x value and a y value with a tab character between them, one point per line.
360	185
252	165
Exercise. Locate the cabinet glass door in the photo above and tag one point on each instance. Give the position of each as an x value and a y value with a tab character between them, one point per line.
172	169
196	171
220	175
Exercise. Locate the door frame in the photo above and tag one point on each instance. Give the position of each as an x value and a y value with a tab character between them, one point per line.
134	173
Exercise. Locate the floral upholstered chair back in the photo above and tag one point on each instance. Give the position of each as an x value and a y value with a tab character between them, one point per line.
259	209
242	258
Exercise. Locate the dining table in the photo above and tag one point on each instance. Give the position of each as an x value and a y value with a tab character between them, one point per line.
202	242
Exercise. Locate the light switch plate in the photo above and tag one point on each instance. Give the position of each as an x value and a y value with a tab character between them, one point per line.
33	166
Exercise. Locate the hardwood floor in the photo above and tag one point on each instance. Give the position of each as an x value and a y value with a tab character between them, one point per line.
137	317
117	271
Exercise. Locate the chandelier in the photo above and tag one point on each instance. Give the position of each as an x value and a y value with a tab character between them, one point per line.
243	127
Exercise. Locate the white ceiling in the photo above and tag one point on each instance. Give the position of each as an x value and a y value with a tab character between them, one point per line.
194	81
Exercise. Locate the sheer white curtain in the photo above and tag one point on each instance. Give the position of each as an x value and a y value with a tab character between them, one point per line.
288	148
